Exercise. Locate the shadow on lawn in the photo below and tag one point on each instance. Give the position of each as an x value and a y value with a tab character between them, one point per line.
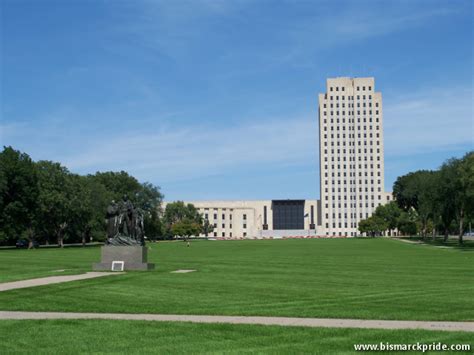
452	242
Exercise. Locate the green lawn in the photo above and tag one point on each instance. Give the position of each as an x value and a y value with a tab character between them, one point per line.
452	242
334	278
28	264
141	337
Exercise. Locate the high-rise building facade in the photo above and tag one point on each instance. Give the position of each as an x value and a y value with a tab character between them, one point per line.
351	157
351	154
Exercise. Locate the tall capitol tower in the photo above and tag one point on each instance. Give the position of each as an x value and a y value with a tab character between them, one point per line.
351	154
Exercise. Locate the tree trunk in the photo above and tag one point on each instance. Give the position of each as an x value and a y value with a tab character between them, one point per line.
30	238
446	234
60	239
62	229
461	226
83	239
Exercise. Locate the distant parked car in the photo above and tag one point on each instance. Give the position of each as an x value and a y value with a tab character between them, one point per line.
23	243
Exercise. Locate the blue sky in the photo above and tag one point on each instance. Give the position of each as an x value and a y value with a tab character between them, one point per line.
218	99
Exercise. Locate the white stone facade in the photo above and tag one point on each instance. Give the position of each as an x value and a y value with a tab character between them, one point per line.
246	219
351	153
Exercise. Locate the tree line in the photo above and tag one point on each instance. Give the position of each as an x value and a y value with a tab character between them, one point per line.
429	202
45	203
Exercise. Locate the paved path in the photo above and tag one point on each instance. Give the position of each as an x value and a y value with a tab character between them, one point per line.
282	321
419	242
52	280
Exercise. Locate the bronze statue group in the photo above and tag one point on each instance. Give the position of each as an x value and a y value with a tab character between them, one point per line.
125	224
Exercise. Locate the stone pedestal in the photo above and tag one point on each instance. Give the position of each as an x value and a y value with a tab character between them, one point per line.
135	257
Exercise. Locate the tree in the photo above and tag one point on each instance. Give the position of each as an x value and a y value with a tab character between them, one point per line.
177	211
373	225
18	195
186	228
89	200
446	196
390	213
404	191
207	227
119	184
153	225
417	190
185	217
464	196
54	200
406	222
148	198
426	194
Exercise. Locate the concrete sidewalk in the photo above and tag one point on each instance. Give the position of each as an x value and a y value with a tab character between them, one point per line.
281	321
52	280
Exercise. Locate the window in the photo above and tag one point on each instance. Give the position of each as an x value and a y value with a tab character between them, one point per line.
223	234
223	216
245	226
244	217
245	234
223	225
215	234
215	215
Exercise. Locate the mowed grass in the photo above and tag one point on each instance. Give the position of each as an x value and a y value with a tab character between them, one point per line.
330	278
25	264
141	337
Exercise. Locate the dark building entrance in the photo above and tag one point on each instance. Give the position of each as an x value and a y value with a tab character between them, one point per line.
288	214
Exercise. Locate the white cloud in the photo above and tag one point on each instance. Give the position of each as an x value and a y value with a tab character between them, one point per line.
197	151
429	121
